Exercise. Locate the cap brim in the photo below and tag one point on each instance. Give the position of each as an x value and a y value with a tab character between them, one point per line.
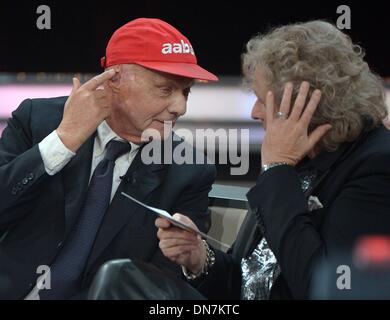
187	70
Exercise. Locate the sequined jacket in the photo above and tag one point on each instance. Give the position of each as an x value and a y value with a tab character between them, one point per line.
353	186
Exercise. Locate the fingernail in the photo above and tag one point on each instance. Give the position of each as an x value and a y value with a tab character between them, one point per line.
305	84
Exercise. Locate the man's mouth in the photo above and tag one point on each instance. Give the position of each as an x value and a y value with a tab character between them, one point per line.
167	121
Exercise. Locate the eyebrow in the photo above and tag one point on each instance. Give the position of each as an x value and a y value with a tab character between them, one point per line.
161	82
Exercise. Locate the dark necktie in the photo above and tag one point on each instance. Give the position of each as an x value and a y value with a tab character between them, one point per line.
70	263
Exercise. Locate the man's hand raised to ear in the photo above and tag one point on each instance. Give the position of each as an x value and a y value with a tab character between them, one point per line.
86	107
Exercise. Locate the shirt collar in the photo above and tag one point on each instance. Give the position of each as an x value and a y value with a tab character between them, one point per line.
105	134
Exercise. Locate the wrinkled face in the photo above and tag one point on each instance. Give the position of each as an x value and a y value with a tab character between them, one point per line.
260	89
144	99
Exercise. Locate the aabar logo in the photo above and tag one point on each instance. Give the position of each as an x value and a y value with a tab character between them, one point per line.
182	47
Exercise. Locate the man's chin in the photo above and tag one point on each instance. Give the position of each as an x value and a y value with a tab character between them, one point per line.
153	133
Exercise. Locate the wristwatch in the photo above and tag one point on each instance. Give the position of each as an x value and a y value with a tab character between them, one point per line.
210	260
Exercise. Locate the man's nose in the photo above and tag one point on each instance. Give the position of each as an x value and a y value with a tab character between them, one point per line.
178	106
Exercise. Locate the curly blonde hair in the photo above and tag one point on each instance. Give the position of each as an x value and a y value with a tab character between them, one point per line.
353	97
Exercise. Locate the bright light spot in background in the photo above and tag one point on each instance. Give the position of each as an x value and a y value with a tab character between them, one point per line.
13	94
219	103
205	103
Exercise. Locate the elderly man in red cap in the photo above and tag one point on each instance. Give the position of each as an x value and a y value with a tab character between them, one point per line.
64	163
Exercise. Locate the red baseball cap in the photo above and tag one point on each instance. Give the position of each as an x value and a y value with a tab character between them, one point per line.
154	44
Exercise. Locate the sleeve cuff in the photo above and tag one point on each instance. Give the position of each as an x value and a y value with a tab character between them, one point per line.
54	153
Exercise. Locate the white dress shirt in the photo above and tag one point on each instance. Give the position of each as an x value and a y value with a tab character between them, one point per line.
56	155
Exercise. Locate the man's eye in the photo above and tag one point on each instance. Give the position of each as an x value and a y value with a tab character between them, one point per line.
166	90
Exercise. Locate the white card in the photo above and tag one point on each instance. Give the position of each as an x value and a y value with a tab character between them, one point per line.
166	215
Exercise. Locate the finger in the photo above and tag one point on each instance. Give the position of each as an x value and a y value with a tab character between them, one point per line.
175	251
98	80
166	244
311	107
182	258
270	107
170	243
162	223
318	133
179	259
286	99
300	101
76	85
175	233
184	219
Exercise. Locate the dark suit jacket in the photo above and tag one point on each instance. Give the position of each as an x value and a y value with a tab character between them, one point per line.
37	211
353	186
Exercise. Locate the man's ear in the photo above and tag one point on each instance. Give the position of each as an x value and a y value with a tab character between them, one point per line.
114	82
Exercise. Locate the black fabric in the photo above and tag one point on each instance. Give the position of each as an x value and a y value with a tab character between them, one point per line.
38	211
353	185
136	280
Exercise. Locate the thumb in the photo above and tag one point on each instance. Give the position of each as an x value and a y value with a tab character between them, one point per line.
76	85
318	133
184	219
180	217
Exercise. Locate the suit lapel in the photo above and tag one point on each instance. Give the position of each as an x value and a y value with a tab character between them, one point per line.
75	181
140	181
